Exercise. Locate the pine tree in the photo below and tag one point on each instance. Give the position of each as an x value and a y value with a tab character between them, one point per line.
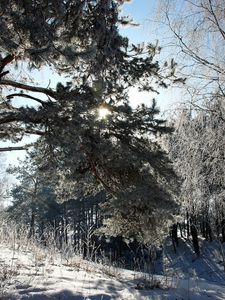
80	151
33	200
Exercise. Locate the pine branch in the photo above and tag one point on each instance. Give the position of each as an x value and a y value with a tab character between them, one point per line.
98	177
26	87
25	147
13	117
34	131
5	61
3	74
27	96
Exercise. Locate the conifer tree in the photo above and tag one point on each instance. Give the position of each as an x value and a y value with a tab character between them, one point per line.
78	149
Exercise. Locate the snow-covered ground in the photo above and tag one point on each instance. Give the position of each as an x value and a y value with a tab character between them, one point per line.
38	274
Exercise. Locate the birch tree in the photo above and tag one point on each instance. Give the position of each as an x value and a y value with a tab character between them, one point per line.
197	149
196	35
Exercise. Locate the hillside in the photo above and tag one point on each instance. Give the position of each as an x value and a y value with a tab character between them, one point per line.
40	274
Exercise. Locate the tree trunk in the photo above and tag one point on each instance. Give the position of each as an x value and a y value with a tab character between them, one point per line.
223	230
188	225
203	229
180	228
194	235
217	228
208	232
31	231
174	237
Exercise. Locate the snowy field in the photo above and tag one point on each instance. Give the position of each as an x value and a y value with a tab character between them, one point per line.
38	274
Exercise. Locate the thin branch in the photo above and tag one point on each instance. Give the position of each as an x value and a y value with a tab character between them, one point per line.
216	20
33	51
98	177
34	131
27	96
18	116
23	148
187	50
9	118
5	61
200	108
35	89
3	74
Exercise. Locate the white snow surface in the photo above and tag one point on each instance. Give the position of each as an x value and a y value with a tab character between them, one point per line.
37	274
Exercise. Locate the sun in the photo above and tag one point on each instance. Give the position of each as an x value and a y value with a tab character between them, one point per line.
103	112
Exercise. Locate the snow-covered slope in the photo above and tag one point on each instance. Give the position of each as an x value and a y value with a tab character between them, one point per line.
37	274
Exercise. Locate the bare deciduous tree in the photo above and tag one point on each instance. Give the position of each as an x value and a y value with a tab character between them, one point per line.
198	43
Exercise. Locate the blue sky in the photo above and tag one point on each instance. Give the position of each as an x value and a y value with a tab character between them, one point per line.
140	11
144	12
